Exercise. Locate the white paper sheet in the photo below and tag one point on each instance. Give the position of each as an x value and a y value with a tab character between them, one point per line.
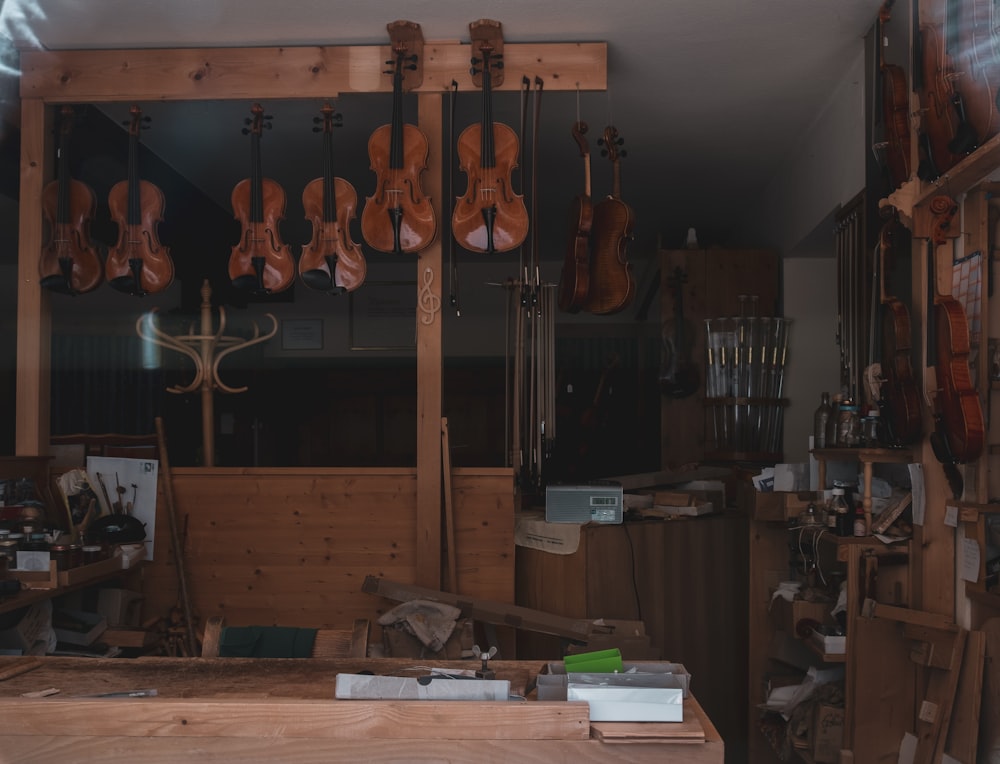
970	562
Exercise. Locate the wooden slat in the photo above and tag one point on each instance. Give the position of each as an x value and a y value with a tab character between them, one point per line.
293	72
909	615
383	719
963	733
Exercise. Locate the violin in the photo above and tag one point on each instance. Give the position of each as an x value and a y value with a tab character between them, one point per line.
398	218
489	217
69	264
899	399
138	264
261	262
973	38
612	286
895	110
678	375
946	135
331	262
957	402
574	282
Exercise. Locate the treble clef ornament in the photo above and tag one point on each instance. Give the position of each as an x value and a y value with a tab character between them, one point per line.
430	303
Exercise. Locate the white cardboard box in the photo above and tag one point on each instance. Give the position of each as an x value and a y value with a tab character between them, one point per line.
629	704
367	687
96	625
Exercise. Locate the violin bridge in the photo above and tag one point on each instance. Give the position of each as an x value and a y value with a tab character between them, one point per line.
488	34
407	36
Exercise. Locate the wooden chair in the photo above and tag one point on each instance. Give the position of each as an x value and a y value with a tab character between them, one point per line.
330	643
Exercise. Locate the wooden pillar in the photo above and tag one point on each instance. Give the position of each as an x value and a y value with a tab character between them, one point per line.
34	318
429	318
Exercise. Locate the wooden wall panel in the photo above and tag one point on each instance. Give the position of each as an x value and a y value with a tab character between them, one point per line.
292	547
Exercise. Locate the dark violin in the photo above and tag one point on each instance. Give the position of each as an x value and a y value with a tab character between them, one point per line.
900	399
574	282
138	264
261	263
331	262
957	401
612	286
69	264
947	135
974	36
490	217
895	110
398	218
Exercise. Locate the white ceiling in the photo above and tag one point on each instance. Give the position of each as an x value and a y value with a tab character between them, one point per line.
711	96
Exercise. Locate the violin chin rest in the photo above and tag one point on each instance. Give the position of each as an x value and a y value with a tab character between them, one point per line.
126	285
57	283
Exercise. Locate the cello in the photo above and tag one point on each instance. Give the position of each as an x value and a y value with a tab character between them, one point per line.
138	264
612	286
960	435
69	264
574	282
331	262
398	218
899	399
261	262
489	217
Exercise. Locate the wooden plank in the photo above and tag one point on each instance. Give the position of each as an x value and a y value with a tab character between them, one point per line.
934	714
934	648
34	319
338	720
690	729
989	726
909	615
963	733
298	72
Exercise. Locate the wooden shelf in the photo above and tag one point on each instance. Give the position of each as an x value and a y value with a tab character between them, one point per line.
827	657
30	596
872	455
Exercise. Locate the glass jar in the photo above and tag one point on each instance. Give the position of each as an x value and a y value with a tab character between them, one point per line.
92	553
8	549
860	527
839	507
848	426
60	554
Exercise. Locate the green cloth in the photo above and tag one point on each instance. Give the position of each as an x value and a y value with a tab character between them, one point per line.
266	642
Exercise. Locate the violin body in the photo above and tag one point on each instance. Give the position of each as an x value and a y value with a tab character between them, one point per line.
895	113
261	262
899	387
612	285
574	281
69	263
331	262
979	67
957	397
138	264
489	217
946	138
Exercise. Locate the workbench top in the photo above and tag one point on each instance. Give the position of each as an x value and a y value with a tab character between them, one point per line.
250	710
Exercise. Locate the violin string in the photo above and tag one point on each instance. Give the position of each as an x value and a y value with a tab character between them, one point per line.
578	103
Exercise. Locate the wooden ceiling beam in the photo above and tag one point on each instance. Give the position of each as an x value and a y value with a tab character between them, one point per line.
73	76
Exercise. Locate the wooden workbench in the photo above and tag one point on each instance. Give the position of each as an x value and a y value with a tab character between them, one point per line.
251	710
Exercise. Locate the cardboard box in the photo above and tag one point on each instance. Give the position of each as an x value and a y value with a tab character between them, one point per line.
827	733
775	506
554	682
786	615
76	627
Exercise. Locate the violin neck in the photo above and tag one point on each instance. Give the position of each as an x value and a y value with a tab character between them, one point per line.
486	150
329	190
256	181
396	137
616	179
62	203
134	205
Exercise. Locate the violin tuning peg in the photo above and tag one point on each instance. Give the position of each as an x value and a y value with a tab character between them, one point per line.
390	62
245	131
498	64
476	61
623	154
388	71
412	58
411	67
474	71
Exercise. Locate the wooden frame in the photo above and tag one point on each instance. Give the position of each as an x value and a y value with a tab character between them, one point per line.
53	77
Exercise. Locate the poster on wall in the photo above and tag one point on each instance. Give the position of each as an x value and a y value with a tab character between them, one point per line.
127	486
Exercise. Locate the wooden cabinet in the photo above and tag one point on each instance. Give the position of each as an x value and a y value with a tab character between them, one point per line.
684	578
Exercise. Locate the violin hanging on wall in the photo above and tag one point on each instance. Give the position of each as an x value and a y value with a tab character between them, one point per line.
331	262
398	218
69	264
489	217
138	264
612	286
895	108
261	262
678	375
574	282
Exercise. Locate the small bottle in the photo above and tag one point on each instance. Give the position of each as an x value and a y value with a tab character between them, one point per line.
821	420
830	519
860	527
839	508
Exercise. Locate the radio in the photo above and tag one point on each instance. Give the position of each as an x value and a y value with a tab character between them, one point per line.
598	502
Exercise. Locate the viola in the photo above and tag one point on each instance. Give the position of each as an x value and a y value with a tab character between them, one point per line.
612	286
489	217
957	401
574	282
398	218
331	262
946	135
899	398
261	262
69	264
138	264
895	110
